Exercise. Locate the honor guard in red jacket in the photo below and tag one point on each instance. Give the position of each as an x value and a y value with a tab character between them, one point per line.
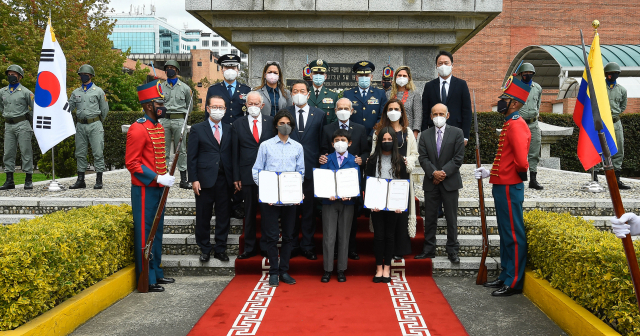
145	159
507	175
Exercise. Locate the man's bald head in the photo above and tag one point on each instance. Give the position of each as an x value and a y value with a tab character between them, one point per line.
439	110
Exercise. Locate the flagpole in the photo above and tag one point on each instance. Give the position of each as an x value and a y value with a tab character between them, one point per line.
54	185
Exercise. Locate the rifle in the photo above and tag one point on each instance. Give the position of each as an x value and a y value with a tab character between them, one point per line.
143	279
612	182
482	271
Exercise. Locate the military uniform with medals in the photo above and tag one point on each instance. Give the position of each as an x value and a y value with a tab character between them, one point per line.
322	97
369	105
234	98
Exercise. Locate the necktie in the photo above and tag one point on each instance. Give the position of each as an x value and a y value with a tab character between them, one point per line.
256	135
343	126
439	141
301	121
340	159
317	93
216	133
229	90
363	93
444	92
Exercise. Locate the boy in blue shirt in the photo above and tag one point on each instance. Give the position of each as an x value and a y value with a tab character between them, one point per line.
337	214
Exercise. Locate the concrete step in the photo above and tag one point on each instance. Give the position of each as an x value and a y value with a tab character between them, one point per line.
187	224
185	244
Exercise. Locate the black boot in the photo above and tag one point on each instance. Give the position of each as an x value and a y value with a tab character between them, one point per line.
184	184
79	182
533	183
28	182
98	184
8	184
621	185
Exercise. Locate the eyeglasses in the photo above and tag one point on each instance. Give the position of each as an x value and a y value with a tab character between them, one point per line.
273	63
218	107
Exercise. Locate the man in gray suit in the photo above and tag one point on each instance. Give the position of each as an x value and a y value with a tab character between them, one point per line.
441	151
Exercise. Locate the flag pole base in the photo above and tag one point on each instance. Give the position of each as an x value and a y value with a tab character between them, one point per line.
55	186
592	186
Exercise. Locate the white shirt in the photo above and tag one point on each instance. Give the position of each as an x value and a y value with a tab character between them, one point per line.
305	114
443	129
446	88
317	89
258	124
363	92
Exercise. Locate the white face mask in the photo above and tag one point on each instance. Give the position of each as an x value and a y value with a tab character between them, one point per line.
216	114
341	146
300	99
254	111
444	70
230	74
272	78
402	81
439	121
394	115
343	115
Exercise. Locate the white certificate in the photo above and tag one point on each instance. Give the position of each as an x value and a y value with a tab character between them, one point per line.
398	197
375	195
268	187
347	183
291	188
324	183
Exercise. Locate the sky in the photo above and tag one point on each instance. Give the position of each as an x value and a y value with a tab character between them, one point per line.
172	10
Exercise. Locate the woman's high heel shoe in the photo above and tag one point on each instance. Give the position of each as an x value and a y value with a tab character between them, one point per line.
377	279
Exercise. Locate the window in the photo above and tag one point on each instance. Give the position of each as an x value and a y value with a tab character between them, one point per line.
214	43
166	43
139	42
243	55
234	51
191	39
205	43
224	43
199	84
200	100
199	63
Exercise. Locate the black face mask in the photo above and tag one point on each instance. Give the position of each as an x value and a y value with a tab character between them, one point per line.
503	106
12	79
171	73
84	78
386	85
161	112
612	77
527	78
387	146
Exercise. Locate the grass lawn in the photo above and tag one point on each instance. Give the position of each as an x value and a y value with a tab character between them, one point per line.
18	178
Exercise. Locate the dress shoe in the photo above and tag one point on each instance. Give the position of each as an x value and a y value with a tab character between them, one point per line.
326	277
286	278
377	279
264	254
386	279
354	256
163	281
497	283
309	255
425	256
454	258
273	280
341	276
238	213
222	256
247	255
156	288
204	257
397	257
506	291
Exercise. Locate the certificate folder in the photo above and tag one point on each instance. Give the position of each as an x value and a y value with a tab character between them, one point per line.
283	188
341	183
386	194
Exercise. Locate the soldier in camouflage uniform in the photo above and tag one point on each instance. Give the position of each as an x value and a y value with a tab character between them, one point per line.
530	112
177	98
618	102
91	107
15	102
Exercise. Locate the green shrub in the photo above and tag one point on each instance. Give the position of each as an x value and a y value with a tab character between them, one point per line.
46	260
584	263
65	153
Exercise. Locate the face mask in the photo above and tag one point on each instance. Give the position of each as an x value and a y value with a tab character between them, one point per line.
343	115
284	129
12	79
614	77
386	85
230	74
272	78
364	82
216	114
526	78
171	73
402	81
341	146
387	146
444	70
318	80
439	121
503	106
394	115
300	99
161	112
254	111
84	78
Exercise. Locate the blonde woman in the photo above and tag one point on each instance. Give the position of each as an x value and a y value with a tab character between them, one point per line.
403	89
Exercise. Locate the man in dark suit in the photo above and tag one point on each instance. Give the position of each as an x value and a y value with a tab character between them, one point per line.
211	174
248	133
233	92
359	148
441	151
448	90
309	121
367	101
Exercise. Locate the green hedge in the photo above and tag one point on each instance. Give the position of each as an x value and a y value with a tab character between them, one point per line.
584	263
46	260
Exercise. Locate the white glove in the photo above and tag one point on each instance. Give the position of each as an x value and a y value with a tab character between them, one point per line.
481	173
166	180
629	223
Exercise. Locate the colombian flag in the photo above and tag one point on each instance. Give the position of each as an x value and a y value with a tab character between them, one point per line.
589	149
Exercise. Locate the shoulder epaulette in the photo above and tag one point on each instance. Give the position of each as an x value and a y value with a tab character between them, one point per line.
515	117
142	120
332	90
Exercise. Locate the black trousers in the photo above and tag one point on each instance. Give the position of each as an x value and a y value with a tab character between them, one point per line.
250	196
307	222
384	228
270	233
219	195
432	201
